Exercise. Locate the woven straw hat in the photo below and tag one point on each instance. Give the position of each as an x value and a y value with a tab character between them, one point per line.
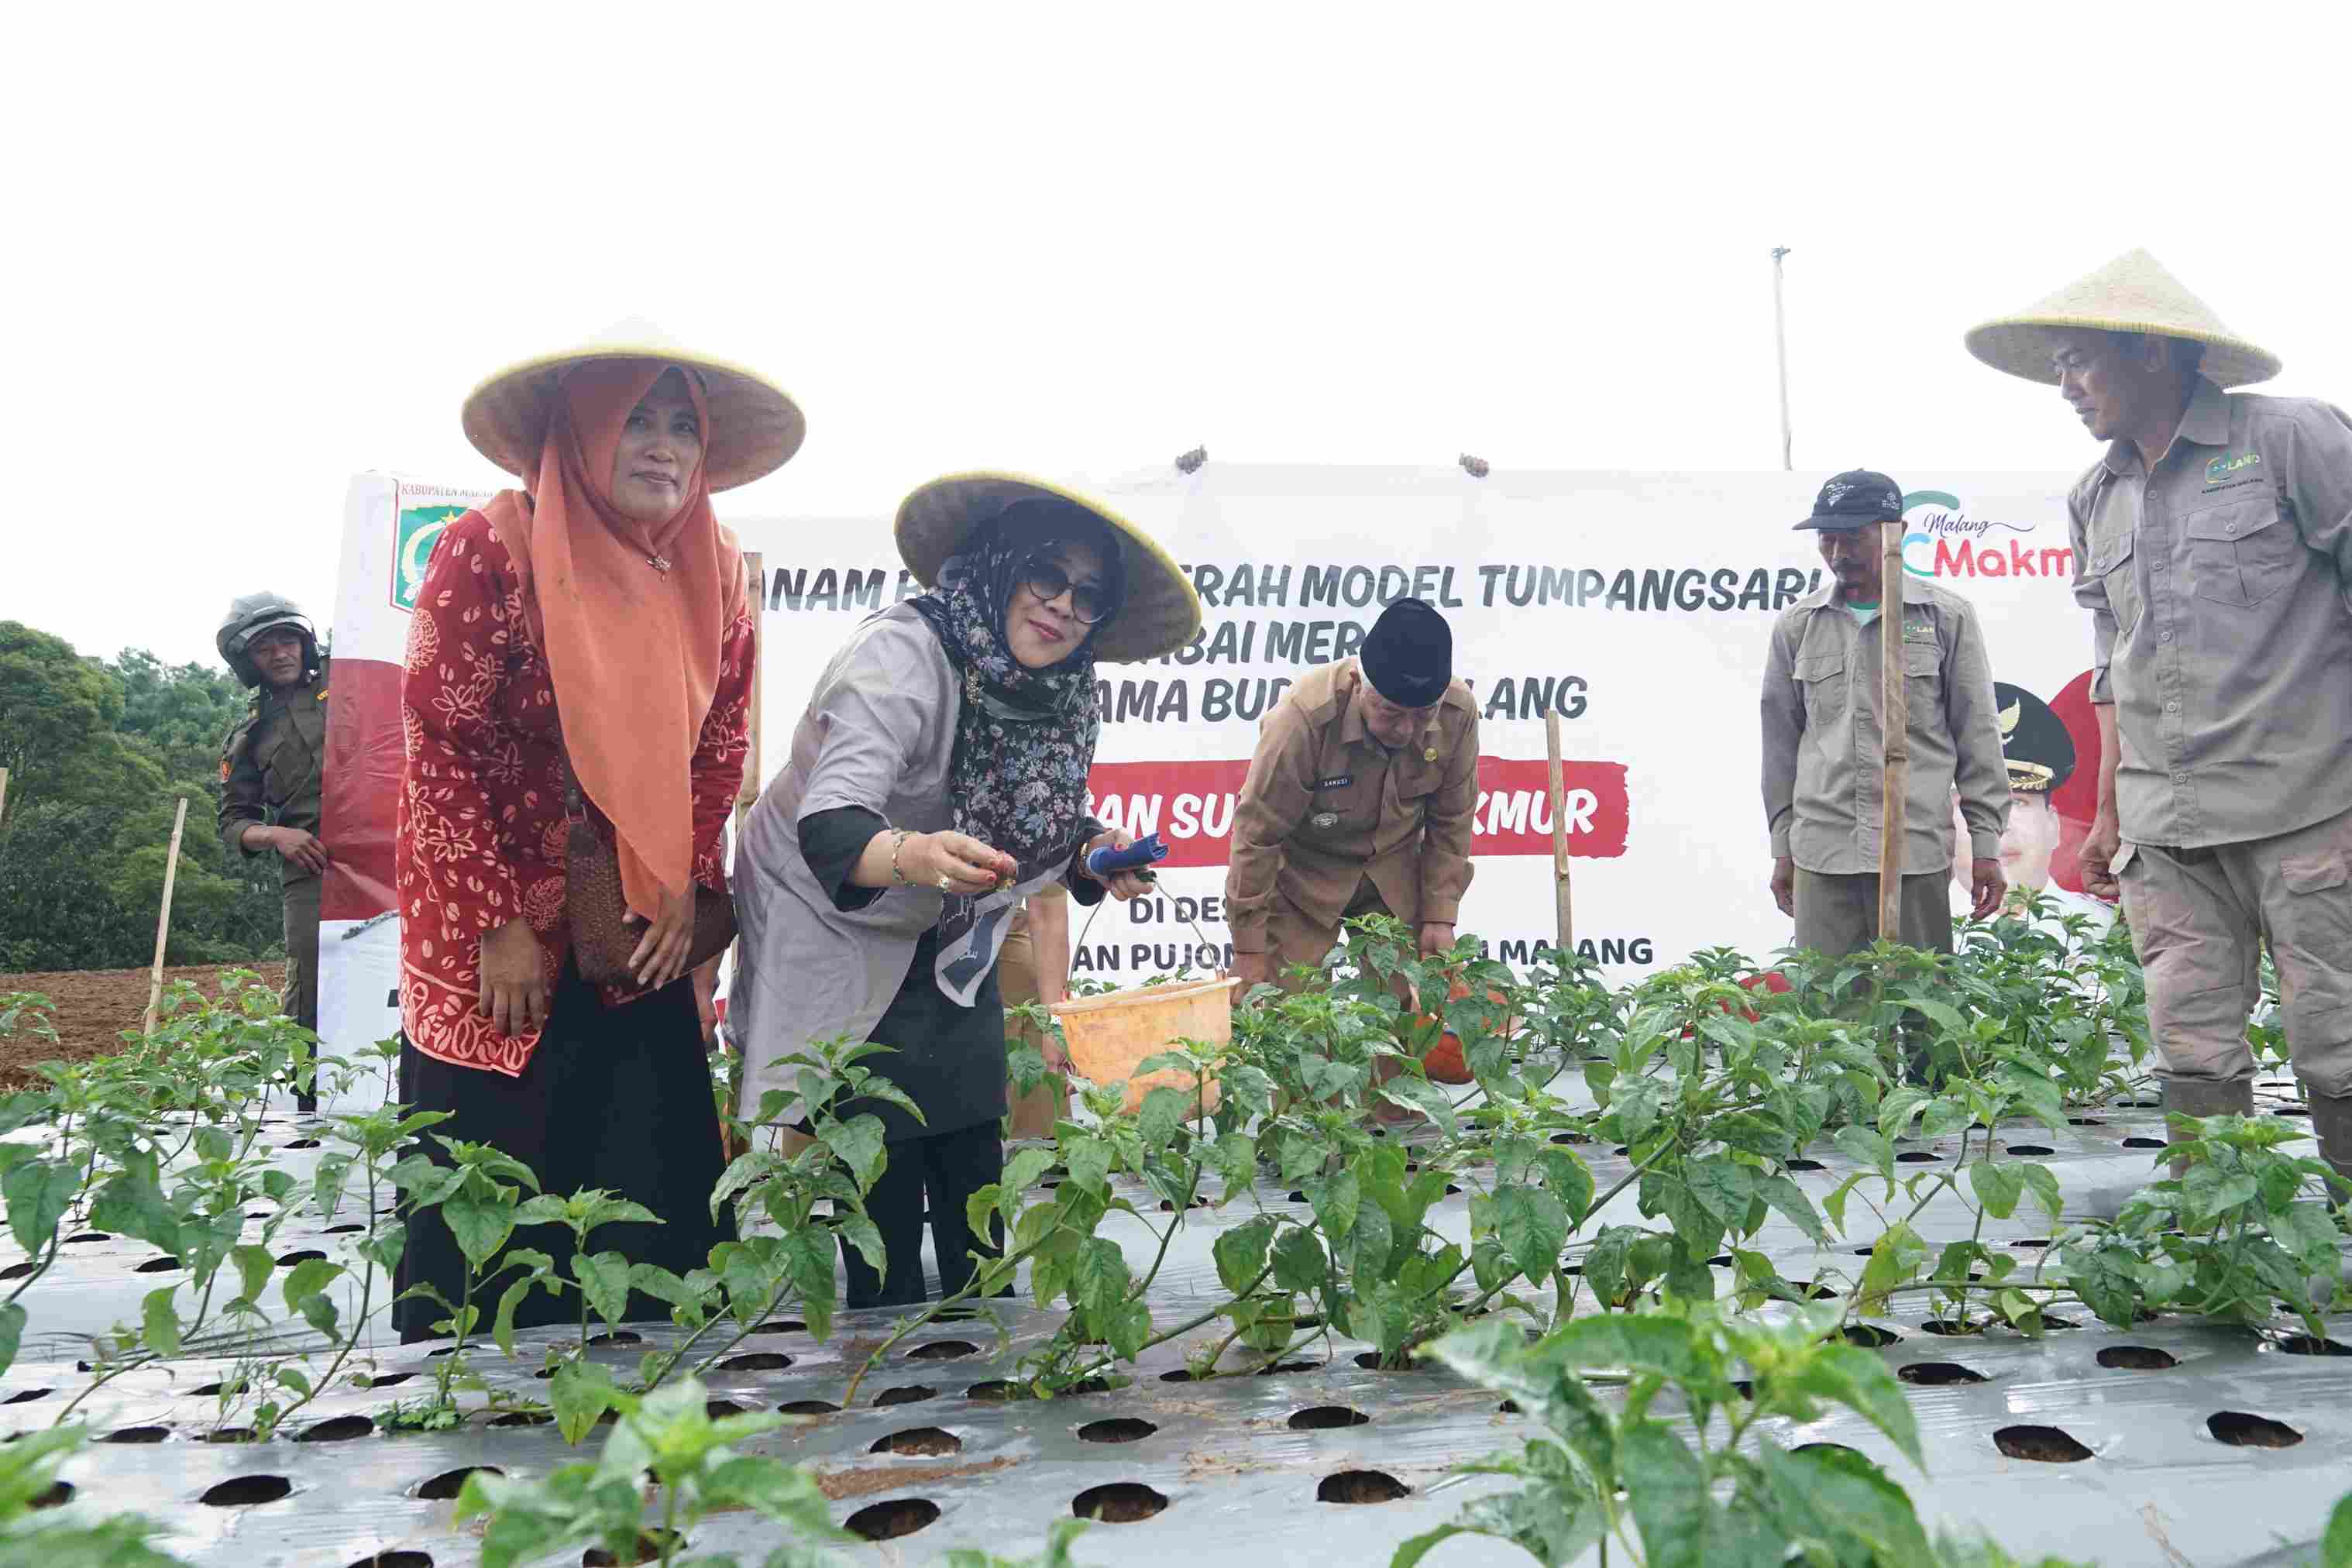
754	426
2133	293
1160	612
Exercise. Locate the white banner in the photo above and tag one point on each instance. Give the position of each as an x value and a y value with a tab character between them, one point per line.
1636	605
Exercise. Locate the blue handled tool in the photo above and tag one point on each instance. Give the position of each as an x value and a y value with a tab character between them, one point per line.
1108	862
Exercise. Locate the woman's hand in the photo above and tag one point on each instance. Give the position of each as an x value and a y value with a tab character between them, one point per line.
706	997
513	995
1124	886
954	863
662	951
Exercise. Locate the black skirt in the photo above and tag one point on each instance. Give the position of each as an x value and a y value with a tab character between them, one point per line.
618	1097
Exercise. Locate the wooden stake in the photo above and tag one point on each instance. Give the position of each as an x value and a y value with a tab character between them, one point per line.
1894	734
163	918
4	793
1563	912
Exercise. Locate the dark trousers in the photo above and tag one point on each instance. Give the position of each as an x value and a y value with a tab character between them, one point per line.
617	1098
949	1167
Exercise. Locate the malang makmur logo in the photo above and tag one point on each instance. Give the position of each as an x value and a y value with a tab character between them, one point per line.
1941	540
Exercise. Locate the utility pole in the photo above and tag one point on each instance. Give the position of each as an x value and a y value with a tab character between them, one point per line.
1780	345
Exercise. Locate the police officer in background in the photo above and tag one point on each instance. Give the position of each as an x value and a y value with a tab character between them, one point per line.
1357	802
272	770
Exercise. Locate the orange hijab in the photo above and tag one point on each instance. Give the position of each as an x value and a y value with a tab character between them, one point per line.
633	650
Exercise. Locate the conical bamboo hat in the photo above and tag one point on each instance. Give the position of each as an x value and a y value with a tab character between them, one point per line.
2133	293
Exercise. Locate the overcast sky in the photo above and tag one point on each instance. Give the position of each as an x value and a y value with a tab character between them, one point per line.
258	254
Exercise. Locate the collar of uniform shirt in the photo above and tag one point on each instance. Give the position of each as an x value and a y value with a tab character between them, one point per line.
2205	423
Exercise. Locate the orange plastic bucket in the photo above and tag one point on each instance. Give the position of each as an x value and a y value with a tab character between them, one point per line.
1108	1035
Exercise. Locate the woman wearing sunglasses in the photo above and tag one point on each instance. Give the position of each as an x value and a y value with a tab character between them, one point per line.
938	777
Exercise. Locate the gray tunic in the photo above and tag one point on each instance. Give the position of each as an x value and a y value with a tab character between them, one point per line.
879	734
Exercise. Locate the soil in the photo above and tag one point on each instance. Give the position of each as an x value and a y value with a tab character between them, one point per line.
842	1485
92	1007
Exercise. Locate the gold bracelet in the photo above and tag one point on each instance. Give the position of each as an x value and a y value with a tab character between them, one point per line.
898	836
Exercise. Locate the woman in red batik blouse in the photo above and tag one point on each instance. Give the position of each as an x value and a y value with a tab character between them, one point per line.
599	611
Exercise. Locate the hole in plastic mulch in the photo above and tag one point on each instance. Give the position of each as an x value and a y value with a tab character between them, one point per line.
997	1390
2137	1358
353	1228
2085	1121
1117	1429
449	1483
1938	1373
1830	1448
1917	1157
1371	1362
306	1255
388	1380
1868	1335
906	1393
618	1337
2241	1430
782	1326
2304	1344
90	1235
758	1361
159	1266
137	1435
1571	1138
27	1396
933	1440
2030	1148
888	1520
230	1435
1804	1164
943	1350
214	1390
1362	1486
1952	1326
304	1144
1282	1368
1326	1417
2046	1444
1509	1407
18	1270
649	1550
1119	1502
523	1419
59	1494
246	1491
1298	1197
340	1430
808	1407
2030	1241
718	1409
396	1560
2144	1143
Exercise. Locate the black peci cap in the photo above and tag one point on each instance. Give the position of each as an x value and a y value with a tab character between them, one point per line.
1855	499
1409	653
2034	741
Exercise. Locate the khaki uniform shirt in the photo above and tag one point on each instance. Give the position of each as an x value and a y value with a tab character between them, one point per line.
2219	631
1824	751
1326	805
273	767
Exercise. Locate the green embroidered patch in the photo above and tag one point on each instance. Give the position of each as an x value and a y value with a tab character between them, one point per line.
2221	469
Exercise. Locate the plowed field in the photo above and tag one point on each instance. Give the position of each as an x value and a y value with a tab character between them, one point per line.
94	1006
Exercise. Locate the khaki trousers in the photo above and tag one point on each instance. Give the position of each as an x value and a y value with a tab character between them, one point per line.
1837	913
1294	936
2198	918
1035	1113
299	998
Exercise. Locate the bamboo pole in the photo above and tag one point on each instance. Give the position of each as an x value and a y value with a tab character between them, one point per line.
163	918
1780	348
1894	734
1563	904
4	795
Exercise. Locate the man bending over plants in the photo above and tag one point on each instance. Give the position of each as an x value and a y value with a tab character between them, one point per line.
1359	802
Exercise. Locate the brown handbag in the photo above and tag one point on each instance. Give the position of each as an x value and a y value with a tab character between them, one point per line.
597	911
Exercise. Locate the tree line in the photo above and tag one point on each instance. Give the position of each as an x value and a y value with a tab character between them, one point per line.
96	751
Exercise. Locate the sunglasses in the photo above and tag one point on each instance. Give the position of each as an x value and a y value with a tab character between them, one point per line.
1089	601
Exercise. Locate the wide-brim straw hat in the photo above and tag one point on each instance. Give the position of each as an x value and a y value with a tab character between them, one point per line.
754	425
1158	611
2133	293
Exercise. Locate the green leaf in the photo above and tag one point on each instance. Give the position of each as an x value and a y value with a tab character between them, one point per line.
1791	1201
12	1333
479	1227
1370	1245
1998	1184
1164	1112
1099	1278
2336	1546
605	1280
1533	1226
544	1209
1570	1179
2042	1183
858	1144
1895	1112
1866	1148
1859	1379
1669	1495
1831	1495
37	1193
1946	1015
1753	1132
1023	1171
1298	1260
308	1278
1723	1187
1336	1203
1945	1116
578	1393
1240	1253
158	1320
1088	1159
253	1267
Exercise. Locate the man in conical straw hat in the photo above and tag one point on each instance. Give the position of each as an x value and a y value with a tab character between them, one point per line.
2212	543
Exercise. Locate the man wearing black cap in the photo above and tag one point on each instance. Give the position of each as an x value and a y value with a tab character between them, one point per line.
1824	758
1357	802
